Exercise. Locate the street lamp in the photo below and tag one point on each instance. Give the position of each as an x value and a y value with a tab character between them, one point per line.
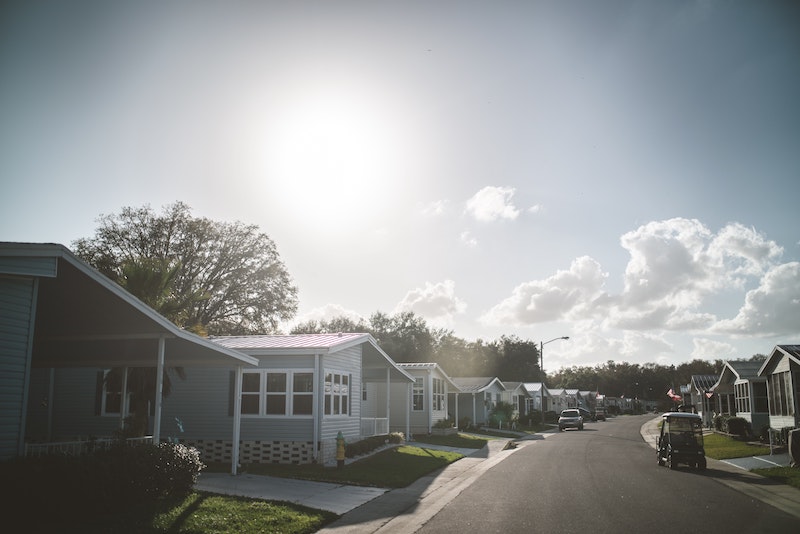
541	368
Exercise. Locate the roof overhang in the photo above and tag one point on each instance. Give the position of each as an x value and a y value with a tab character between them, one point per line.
777	353
83	319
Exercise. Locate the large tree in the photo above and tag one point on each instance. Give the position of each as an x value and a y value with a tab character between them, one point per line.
211	277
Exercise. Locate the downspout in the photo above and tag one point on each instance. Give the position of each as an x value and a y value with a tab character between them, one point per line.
409	392
159	389
123	408
429	387
237	419
388	396
317	407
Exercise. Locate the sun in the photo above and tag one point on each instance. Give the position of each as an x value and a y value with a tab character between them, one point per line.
330	156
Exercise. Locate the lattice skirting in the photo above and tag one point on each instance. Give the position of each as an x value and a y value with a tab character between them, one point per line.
257	452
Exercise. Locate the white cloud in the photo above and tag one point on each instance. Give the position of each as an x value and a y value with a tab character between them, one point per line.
468	239
436	208
771	309
677	271
566	295
436	303
536	208
708	349
590	346
492	203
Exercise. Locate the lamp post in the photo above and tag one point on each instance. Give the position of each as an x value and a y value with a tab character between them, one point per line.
541	368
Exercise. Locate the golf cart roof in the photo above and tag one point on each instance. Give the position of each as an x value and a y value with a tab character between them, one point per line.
684	415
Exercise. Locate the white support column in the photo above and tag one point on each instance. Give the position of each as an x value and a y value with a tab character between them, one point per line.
388	397
409	393
319	385
429	388
159	390
237	419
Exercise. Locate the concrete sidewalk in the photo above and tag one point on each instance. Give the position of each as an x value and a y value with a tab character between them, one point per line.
337	498
735	473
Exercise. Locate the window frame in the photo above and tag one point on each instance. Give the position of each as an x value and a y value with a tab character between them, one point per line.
267	392
333	401
418	395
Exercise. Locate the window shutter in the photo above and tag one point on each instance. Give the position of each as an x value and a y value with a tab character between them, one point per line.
98	392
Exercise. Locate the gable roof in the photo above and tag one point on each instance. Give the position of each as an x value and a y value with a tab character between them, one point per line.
737	370
84	319
790	351
374	359
534	388
476	384
703	383
428	366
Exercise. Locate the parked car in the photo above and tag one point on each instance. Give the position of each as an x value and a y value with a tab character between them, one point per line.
570	419
586	414
600	414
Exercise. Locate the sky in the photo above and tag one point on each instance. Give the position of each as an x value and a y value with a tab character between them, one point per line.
625	173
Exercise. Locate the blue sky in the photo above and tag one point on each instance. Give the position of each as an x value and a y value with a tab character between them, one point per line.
623	173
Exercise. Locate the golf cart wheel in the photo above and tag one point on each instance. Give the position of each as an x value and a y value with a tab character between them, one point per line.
660	460
671	463
702	464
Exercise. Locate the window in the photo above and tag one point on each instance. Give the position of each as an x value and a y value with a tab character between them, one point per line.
337	393
277	393
742	398
781	401
418	395
111	396
439	395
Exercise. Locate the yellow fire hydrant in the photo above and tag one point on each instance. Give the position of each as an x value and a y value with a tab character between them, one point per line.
339	449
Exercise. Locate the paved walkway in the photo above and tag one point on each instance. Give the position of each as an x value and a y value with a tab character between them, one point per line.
404	510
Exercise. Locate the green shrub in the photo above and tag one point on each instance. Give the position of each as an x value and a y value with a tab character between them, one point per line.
444	423
501	414
737	426
59	487
465	423
367	445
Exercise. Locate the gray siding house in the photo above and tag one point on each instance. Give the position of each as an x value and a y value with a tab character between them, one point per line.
62	323
303	392
782	372
429	400
740	391
477	397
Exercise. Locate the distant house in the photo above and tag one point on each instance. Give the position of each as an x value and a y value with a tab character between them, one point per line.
516	395
429	401
305	390
741	392
63	325
781	370
563	399
538	394
477	397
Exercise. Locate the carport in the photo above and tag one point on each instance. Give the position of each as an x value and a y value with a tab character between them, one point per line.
56	311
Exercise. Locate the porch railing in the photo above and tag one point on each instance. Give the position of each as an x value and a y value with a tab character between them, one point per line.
374	426
75	448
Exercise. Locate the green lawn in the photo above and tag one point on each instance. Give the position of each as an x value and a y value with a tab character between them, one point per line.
463	441
722	447
786	475
392	468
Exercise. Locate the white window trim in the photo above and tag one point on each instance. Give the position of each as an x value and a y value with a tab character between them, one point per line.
348	395
124	403
289	393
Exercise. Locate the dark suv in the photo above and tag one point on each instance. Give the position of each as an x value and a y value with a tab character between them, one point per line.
570	419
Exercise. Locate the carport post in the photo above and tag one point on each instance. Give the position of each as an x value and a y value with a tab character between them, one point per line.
159	390
237	419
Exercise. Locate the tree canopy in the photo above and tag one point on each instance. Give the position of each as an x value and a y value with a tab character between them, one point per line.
211	277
